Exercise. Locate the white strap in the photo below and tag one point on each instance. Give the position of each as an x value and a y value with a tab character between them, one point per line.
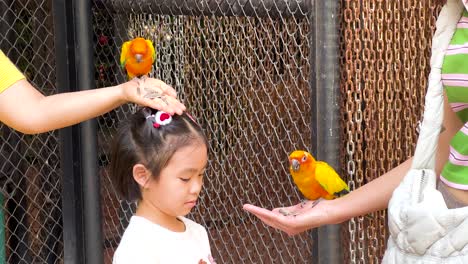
424	156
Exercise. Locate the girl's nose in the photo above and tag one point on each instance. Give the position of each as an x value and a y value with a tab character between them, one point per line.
197	185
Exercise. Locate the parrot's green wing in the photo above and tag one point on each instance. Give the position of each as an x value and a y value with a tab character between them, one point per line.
329	179
123	54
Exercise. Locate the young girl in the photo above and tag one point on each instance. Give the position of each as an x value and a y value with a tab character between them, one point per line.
159	160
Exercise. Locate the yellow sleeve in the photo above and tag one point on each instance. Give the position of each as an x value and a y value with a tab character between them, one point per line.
9	74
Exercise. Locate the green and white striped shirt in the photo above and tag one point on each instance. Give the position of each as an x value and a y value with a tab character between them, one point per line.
455	81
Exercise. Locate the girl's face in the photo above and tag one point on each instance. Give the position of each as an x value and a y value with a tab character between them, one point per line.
176	190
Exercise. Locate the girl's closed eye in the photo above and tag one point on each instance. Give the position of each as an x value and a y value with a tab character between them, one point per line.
202	173
185	179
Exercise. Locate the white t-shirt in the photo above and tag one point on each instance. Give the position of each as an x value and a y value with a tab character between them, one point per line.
145	242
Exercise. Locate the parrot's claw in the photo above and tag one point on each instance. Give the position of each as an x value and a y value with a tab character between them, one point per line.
316	202
138	80
142	80
304	203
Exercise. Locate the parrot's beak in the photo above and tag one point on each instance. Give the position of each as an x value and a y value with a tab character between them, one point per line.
295	165
138	57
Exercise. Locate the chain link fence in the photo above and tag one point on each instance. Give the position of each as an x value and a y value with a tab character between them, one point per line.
244	72
384	68
30	216
240	77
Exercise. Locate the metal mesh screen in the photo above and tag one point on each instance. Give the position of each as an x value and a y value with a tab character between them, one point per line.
30	217
246	79
244	74
240	77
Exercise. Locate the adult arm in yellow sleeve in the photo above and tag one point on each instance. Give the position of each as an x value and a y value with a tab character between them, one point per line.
27	110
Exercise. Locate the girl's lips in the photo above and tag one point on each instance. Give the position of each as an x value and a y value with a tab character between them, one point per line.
192	203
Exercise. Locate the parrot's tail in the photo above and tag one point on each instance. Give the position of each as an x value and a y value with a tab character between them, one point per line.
341	193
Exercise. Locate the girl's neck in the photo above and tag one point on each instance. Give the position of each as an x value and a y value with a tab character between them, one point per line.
158	217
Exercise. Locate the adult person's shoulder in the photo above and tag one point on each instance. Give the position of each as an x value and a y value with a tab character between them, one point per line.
9	74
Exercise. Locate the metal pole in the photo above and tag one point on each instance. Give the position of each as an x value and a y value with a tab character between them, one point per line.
91	187
327	112
313	120
69	137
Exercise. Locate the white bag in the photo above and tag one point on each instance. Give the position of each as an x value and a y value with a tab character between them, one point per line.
422	229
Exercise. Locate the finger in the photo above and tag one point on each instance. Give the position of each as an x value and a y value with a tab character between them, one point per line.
268	217
168	104
255	209
268	221
164	87
289	208
274	214
274	220
168	90
159	104
171	105
176	105
280	222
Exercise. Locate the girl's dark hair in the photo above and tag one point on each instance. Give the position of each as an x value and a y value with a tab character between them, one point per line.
442	2
137	141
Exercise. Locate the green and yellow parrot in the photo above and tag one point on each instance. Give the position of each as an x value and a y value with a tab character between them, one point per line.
137	57
315	179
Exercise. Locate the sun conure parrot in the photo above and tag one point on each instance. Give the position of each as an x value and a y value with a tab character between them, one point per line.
137	57
315	179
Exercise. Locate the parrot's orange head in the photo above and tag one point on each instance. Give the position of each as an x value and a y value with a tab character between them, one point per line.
139	48
300	160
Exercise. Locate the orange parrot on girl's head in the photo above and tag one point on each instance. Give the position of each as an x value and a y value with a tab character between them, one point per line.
315	179
137	57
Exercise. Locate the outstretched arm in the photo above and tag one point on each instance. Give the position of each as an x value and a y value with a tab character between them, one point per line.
371	197
25	109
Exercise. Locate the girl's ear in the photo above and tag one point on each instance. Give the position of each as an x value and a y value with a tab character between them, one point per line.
141	175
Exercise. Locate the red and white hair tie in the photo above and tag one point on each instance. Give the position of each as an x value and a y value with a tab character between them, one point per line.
160	118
